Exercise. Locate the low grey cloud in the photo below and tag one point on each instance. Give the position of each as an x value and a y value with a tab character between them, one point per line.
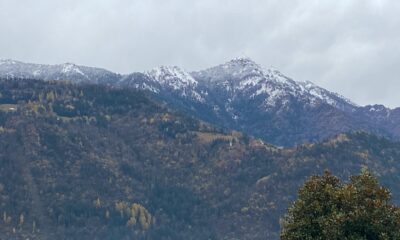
348	46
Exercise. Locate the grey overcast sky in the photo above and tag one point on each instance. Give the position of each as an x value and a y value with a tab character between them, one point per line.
348	46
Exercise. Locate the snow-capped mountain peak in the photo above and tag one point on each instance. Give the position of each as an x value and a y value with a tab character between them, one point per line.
240	73
66	71
244	77
234	70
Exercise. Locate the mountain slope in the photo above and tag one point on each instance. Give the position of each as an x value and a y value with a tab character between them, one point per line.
75	157
244	96
239	95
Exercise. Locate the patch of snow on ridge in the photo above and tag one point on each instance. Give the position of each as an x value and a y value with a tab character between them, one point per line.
37	72
323	94
145	86
377	108
274	74
250	81
177	79
70	67
274	96
174	76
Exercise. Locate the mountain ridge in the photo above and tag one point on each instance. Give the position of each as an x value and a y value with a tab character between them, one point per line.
239	94
158	73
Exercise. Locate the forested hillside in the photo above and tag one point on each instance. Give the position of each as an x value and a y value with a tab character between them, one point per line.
89	161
